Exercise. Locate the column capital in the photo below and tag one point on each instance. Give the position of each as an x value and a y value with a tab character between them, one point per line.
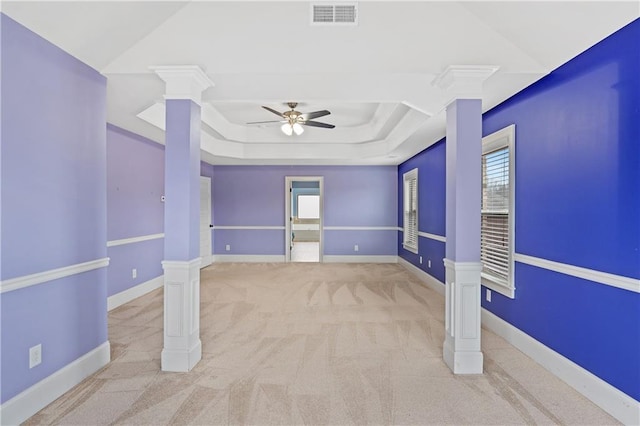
183	81
463	81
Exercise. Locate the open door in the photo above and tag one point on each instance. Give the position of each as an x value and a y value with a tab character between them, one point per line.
304	218
205	221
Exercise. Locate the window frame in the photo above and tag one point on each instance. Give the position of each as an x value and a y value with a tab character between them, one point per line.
411	175
503	138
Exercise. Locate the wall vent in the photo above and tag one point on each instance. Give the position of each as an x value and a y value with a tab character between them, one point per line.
342	13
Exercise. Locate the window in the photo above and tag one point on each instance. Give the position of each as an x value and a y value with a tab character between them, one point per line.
497	213
410	231
308	207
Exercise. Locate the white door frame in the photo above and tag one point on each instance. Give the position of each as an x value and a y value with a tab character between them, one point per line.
287	212
207	258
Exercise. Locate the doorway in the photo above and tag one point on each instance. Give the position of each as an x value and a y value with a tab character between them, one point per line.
205	221
304	218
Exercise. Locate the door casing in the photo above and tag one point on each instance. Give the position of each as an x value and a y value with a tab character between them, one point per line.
288	188
205	221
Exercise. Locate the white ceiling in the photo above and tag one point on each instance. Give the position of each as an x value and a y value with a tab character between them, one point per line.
375	77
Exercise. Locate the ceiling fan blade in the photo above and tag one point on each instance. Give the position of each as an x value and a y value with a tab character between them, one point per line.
263	122
273	111
316	114
317	124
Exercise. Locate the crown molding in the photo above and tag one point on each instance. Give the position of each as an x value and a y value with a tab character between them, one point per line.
183	81
463	81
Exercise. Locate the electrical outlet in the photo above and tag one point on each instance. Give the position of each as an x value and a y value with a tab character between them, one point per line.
227	247
488	296
134	273
35	355
356	248
429	263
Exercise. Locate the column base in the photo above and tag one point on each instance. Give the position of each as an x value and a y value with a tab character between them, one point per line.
462	362
181	361
182	346
461	347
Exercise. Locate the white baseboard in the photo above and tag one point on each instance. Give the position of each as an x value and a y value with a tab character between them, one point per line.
431	282
613	401
29	402
249	258
206	261
360	259
134	292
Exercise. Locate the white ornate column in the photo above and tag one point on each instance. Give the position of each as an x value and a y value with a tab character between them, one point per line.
463	87
184	85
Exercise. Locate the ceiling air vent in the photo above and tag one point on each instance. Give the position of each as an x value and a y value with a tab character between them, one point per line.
334	13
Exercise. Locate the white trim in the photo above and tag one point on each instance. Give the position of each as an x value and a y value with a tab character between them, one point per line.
360	228
462	266
248	258
129	294
30	401
182	347
248	227
431	282
612	400
288	215
133	240
407	178
509	292
361	259
52	274
205	222
206	261
463	81
505	138
612	280
182	264
432	236
183	81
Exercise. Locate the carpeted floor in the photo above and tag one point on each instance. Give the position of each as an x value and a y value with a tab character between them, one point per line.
313	344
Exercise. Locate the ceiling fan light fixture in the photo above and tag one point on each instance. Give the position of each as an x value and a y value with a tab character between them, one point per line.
294	121
297	128
287	129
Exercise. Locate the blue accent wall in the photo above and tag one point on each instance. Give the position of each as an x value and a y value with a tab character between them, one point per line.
577	203
431	208
578	158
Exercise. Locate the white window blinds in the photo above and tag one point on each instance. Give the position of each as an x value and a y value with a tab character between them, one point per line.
496	227
494	240
410	231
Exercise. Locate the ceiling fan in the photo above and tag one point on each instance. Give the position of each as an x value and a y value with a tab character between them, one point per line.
294	120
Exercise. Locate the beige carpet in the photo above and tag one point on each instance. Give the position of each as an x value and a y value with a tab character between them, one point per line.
313	344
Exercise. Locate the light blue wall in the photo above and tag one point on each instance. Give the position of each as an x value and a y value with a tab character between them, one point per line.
353	197
53	192
135	184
